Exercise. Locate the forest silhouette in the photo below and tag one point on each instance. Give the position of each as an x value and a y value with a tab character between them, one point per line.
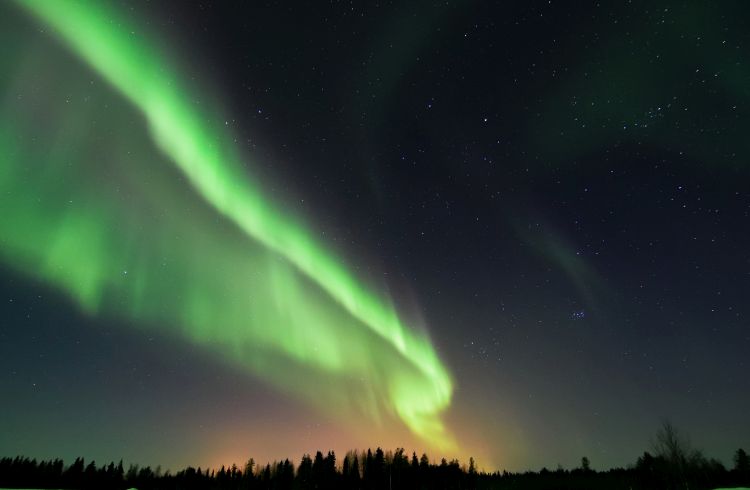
674	465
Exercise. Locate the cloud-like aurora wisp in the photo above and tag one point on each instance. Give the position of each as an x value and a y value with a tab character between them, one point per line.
273	293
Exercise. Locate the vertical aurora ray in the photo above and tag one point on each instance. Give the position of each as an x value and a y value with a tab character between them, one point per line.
256	286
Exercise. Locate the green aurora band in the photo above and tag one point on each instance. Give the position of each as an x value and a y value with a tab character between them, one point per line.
124	218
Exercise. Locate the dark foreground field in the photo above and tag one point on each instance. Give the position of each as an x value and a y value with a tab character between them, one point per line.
377	469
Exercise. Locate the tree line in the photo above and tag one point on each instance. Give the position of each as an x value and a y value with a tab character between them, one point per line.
673	466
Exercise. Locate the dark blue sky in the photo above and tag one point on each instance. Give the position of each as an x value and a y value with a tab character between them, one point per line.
560	191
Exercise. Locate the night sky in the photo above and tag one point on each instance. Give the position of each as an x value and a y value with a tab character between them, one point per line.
516	230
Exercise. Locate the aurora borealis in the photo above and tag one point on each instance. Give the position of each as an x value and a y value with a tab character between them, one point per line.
422	226
267	314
